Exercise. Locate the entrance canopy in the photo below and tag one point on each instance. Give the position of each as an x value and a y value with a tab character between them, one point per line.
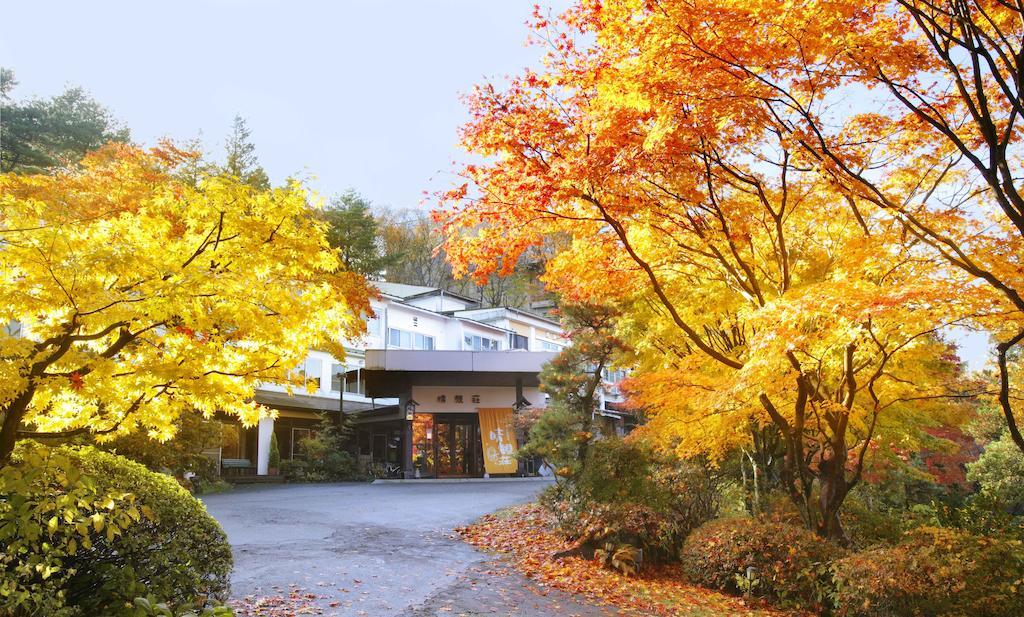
393	372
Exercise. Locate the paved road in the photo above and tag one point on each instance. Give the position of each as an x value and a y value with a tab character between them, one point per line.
377	549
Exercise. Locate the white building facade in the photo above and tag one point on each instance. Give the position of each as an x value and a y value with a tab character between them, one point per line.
415	386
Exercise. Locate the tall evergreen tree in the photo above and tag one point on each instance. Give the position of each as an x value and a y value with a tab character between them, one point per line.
563	433
353	230
38	135
240	160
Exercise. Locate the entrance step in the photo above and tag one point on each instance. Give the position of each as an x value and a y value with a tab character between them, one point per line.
253	479
461	480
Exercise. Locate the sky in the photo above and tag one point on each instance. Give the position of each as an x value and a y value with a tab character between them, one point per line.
348	94
352	94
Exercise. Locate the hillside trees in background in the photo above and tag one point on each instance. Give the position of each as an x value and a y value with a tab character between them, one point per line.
414	247
226	287
750	300
39	134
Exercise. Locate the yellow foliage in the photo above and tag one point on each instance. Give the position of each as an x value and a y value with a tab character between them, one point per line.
132	297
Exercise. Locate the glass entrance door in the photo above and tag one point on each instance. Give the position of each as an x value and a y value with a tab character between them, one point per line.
458	448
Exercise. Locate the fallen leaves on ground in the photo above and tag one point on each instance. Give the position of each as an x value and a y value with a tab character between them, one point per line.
287	603
526	534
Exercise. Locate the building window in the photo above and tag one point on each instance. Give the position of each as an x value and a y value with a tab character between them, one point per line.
480	343
409	340
615	376
373	326
310	371
518	341
354	382
549	346
337	375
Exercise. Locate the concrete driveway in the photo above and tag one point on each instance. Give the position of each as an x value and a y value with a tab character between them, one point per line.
376	549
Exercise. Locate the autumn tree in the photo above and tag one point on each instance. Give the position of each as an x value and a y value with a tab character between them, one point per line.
749	298
131	297
40	134
910	109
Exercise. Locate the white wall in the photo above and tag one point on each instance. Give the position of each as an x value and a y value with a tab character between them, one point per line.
426	396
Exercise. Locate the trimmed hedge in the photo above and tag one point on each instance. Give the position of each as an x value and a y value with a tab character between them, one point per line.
787	563
143	534
934	572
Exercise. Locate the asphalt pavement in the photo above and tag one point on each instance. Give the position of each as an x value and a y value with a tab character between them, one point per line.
376	549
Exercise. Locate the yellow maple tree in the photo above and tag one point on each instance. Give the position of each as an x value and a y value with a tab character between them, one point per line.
130	297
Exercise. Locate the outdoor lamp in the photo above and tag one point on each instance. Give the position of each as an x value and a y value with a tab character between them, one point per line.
410	408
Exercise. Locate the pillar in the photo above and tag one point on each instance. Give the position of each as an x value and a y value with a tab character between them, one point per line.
408	471
265	432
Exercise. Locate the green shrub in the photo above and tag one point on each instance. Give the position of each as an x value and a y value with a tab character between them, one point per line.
275	453
145	534
326	456
49	512
933	572
151	607
179	455
760	557
626	494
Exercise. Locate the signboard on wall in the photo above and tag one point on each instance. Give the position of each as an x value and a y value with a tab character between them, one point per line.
498	435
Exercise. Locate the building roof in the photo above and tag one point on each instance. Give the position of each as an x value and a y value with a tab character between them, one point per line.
400	290
476	312
409	292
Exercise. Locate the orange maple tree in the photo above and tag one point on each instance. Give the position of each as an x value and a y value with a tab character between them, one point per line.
758	287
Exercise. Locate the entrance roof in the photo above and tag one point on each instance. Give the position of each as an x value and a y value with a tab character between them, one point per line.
393	372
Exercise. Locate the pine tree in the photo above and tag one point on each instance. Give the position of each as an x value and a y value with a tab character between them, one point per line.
241	161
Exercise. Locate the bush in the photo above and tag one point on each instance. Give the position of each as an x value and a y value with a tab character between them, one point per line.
326	456
179	455
760	557
49	511
933	572
626	494
143	534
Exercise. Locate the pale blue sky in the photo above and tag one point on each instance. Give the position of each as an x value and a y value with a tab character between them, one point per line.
358	94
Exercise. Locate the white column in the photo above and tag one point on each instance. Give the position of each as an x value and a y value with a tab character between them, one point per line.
266	430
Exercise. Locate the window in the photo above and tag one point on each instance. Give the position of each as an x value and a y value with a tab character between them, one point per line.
311	371
549	346
480	343
373	326
409	340
354	382
518	341
337	372
615	376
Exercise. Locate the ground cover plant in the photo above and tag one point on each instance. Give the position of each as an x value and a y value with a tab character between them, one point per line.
529	536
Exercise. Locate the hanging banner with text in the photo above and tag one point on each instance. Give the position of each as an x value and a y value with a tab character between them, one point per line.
499	440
